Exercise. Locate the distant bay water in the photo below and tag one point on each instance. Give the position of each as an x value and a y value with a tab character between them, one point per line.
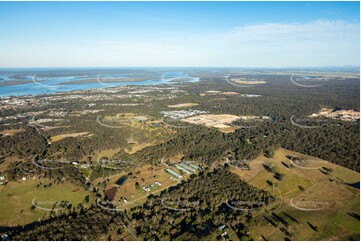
30	85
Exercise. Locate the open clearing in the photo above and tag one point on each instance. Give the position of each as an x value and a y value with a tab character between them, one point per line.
16	199
243	81
103	153
10	132
51	128
220	121
207	93
183	105
145	176
135	147
344	115
63	136
142	122
308	194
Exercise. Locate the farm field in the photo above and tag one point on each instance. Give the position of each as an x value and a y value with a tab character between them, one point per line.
18	198
145	176
7	162
314	205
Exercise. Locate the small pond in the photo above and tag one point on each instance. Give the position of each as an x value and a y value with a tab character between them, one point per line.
121	180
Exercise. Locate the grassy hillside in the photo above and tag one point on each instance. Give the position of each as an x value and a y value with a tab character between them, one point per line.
316	200
17	199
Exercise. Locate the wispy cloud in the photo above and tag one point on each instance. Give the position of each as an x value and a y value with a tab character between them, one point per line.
317	43
317	31
321	42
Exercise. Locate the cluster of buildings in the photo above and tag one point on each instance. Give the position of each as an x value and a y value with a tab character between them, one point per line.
13	103
3	180
185	167
83	165
181	114
84	112
250	95
18	116
151	186
136	94
223	231
130	92
91	95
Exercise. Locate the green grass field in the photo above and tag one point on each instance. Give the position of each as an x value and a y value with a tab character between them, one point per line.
16	199
327	194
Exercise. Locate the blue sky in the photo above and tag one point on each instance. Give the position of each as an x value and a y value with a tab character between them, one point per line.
235	34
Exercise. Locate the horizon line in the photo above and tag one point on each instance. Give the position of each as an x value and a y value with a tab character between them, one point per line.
249	67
